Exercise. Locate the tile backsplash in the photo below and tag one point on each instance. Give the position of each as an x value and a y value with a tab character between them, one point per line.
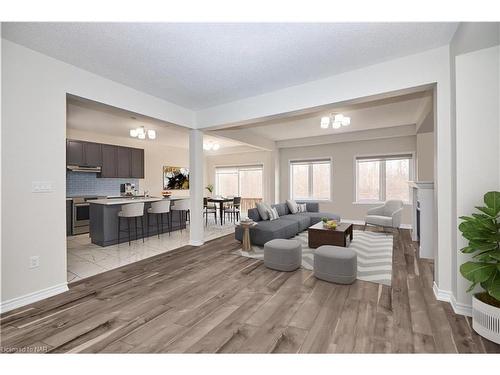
83	183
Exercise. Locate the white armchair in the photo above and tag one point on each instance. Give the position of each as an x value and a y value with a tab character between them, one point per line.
387	216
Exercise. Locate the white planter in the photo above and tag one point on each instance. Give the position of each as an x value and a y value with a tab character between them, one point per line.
486	320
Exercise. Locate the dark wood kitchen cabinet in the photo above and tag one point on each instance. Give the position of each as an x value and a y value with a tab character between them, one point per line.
109	161
136	163
92	153
74	152
124	162
115	161
85	154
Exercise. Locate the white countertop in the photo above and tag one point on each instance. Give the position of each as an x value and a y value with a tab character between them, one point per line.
119	201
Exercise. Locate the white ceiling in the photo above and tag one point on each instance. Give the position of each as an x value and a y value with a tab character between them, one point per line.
384	113
201	65
88	116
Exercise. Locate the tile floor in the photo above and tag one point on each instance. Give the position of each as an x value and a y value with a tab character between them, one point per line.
86	259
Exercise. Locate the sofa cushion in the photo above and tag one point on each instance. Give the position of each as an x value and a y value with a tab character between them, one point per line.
302	221
292	206
382	221
269	230
273	214
282	209
263	209
316	217
311	206
253	214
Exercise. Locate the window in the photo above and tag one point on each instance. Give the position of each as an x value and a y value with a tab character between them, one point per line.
310	179
240	181
382	178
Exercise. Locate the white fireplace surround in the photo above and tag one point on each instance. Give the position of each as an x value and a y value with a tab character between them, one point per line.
423	200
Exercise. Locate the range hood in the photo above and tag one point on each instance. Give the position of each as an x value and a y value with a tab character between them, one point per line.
78	168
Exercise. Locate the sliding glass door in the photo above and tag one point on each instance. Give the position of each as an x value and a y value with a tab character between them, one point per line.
240	181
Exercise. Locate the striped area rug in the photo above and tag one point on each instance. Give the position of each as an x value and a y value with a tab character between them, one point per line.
374	252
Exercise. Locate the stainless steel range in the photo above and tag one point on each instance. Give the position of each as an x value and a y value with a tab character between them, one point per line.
81	214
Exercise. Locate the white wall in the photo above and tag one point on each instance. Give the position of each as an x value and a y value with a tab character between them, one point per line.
469	37
246	158
156	155
478	134
34	89
425	157
343	155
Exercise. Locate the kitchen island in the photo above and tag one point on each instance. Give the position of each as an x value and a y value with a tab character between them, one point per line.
104	220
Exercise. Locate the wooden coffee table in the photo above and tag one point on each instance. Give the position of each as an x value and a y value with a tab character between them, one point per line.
319	235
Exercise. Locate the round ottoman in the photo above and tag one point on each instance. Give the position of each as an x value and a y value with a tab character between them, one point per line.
283	255
335	264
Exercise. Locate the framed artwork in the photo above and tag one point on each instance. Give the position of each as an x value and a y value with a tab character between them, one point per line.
175	178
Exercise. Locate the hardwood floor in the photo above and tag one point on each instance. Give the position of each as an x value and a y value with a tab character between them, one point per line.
205	299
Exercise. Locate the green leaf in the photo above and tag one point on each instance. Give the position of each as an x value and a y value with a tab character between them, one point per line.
477	272
492	285
492	200
488	211
472	286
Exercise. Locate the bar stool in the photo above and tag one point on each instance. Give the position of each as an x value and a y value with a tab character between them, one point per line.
158	209
131	211
181	206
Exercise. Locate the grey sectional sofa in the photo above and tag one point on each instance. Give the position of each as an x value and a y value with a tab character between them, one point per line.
288	225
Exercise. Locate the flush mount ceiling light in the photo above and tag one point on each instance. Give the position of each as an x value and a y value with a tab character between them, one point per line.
337	121
208	146
141	133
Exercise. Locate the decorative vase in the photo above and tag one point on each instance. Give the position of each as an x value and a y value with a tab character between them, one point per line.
486	320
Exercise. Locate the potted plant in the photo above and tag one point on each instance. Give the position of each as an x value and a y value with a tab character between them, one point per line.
482	230
210	188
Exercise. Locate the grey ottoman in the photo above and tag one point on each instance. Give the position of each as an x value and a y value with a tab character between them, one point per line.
335	264
283	255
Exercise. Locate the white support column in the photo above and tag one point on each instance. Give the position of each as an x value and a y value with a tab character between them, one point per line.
196	187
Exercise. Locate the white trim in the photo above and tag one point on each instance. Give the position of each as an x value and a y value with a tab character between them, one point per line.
16	302
196	243
362	222
447	296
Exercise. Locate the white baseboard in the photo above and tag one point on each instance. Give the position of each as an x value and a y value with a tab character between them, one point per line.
447	296
361	222
196	243
14	303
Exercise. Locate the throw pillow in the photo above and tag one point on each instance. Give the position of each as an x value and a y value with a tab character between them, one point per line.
263	209
302	207
292	206
273	214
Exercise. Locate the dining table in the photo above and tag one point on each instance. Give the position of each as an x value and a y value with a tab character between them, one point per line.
220	201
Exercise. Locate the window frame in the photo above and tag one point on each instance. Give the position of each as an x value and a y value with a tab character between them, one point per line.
238	167
310	162
382	176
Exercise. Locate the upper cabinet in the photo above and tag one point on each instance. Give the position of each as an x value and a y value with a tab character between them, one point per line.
124	162
85	154
74	152
109	161
115	161
136	163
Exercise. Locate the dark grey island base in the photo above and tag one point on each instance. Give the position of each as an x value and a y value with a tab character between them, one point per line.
104	224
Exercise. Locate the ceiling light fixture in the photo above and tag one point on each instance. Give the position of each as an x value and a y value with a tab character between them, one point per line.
141	133
208	146
337	121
